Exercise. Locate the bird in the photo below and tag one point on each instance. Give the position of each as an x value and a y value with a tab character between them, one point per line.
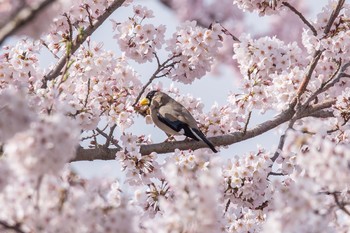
172	117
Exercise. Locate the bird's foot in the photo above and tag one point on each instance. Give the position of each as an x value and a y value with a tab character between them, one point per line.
170	138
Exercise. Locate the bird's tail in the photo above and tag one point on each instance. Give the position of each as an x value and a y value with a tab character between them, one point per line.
204	139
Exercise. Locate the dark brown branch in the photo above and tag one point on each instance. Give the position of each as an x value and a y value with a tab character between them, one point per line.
334	15
23	17
311	69
160	68
247	122
80	39
109	137
280	147
223	140
340	73
340	204
275	174
15	228
301	16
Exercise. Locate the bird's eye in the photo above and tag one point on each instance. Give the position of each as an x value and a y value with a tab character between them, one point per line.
150	95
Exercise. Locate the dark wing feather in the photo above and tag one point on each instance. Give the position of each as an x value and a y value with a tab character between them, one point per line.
204	139
193	133
177	126
174	125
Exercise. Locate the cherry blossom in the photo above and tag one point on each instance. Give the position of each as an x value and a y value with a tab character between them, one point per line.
194	48
139	41
263	7
85	107
39	151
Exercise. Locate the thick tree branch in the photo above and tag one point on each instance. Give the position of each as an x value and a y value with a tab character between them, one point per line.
223	140
80	39
23	17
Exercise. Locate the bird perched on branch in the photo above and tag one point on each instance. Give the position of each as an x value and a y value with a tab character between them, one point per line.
173	118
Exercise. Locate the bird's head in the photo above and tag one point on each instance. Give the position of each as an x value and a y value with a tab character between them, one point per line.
147	100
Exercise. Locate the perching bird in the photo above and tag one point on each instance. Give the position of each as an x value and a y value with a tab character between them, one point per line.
173	118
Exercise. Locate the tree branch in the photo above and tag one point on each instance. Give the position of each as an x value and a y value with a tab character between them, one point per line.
301	16
311	69
223	140
334	15
23	17
80	39
160	68
340	204
15	228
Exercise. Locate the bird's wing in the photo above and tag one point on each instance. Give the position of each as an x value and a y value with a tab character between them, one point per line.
169	121
177	119
184	129
175	111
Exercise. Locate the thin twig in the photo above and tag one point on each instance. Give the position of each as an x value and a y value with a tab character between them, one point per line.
86	7
301	16
280	147
337	75
247	122
16	227
157	58
340	204
46	46
110	138
227	32
160	68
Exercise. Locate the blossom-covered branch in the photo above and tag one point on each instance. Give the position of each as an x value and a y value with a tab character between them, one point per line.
223	140
22	17
80	39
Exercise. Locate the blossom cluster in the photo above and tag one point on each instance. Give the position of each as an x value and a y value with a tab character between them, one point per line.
43	205
334	39
77	16
193	49
100	84
188	191
263	7
34	142
270	70
40	150
323	162
342	107
246	180
314	188
191	209
20	66
139	41
13	120
297	207
139	168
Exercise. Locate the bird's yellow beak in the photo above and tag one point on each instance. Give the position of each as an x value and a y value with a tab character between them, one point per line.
144	102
